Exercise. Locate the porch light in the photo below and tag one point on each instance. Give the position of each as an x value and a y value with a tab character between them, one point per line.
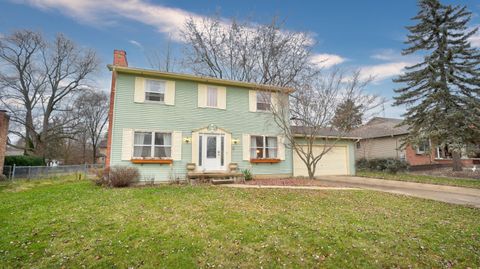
187	140
235	141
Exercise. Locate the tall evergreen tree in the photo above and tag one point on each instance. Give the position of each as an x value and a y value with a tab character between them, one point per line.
348	115
442	92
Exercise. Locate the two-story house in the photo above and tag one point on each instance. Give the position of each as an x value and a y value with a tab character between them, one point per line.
162	121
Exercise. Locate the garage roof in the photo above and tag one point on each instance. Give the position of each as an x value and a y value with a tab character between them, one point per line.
323	132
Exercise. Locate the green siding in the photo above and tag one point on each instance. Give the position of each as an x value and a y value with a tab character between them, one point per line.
186	116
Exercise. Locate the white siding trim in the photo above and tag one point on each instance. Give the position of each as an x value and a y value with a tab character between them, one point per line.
246	147
195	148
127	144
281	147
177	146
170	92
252	101
275	100
139	91
202	95
222	97
228	149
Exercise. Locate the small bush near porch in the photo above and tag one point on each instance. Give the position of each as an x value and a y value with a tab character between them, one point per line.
54	224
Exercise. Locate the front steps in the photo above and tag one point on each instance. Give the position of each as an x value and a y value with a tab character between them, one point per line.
222	181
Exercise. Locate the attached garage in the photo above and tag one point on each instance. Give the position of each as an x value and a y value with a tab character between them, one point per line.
339	160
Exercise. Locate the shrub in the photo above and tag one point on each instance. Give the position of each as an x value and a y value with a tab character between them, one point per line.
247	174
362	164
393	166
382	165
117	176
23	160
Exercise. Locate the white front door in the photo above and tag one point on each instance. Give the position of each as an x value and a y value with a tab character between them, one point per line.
213	152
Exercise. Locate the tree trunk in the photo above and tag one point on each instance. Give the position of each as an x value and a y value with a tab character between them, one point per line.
457	164
94	155
310	174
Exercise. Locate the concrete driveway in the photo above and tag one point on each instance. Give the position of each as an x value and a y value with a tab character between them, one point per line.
449	194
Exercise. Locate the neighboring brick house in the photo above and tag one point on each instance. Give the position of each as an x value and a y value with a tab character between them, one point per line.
4	119
382	138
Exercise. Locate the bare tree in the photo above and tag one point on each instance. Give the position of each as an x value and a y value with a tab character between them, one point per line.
38	83
162	59
22	81
306	116
92	107
249	52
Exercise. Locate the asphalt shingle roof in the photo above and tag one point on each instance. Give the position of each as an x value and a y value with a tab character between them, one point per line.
380	127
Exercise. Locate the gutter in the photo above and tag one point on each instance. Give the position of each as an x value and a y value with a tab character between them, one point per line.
225	82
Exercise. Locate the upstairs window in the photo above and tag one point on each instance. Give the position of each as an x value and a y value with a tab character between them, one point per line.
154	90
212	96
152	145
263	100
263	147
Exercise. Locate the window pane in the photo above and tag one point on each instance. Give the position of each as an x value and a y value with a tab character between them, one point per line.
271	153
263	100
253	141
259	141
222	142
162	139
162	152
143	138
153	96
142	151
211	147
261	106
212	96
200	150
155	86
271	142
258	153
263	97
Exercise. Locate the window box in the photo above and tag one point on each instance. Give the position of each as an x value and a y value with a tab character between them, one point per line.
265	160
154	161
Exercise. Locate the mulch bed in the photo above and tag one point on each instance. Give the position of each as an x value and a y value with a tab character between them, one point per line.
447	172
288	182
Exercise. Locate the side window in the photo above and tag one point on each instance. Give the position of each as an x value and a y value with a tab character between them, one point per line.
263	100
155	90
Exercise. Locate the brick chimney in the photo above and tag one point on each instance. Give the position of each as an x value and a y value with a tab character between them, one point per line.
120	58
4	119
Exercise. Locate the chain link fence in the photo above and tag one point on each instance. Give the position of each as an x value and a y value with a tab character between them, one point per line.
34	172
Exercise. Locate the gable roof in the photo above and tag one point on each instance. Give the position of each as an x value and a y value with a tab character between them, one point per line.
381	127
217	81
323	132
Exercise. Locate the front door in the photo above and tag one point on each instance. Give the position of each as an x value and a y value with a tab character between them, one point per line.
214	152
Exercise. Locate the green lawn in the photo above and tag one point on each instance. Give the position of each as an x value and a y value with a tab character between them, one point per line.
460	182
74	224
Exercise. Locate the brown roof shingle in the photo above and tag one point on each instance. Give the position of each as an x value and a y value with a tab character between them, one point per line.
380	127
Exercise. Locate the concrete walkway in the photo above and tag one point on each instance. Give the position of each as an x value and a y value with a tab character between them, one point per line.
448	194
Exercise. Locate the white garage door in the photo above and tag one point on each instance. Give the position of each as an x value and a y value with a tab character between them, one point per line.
335	162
